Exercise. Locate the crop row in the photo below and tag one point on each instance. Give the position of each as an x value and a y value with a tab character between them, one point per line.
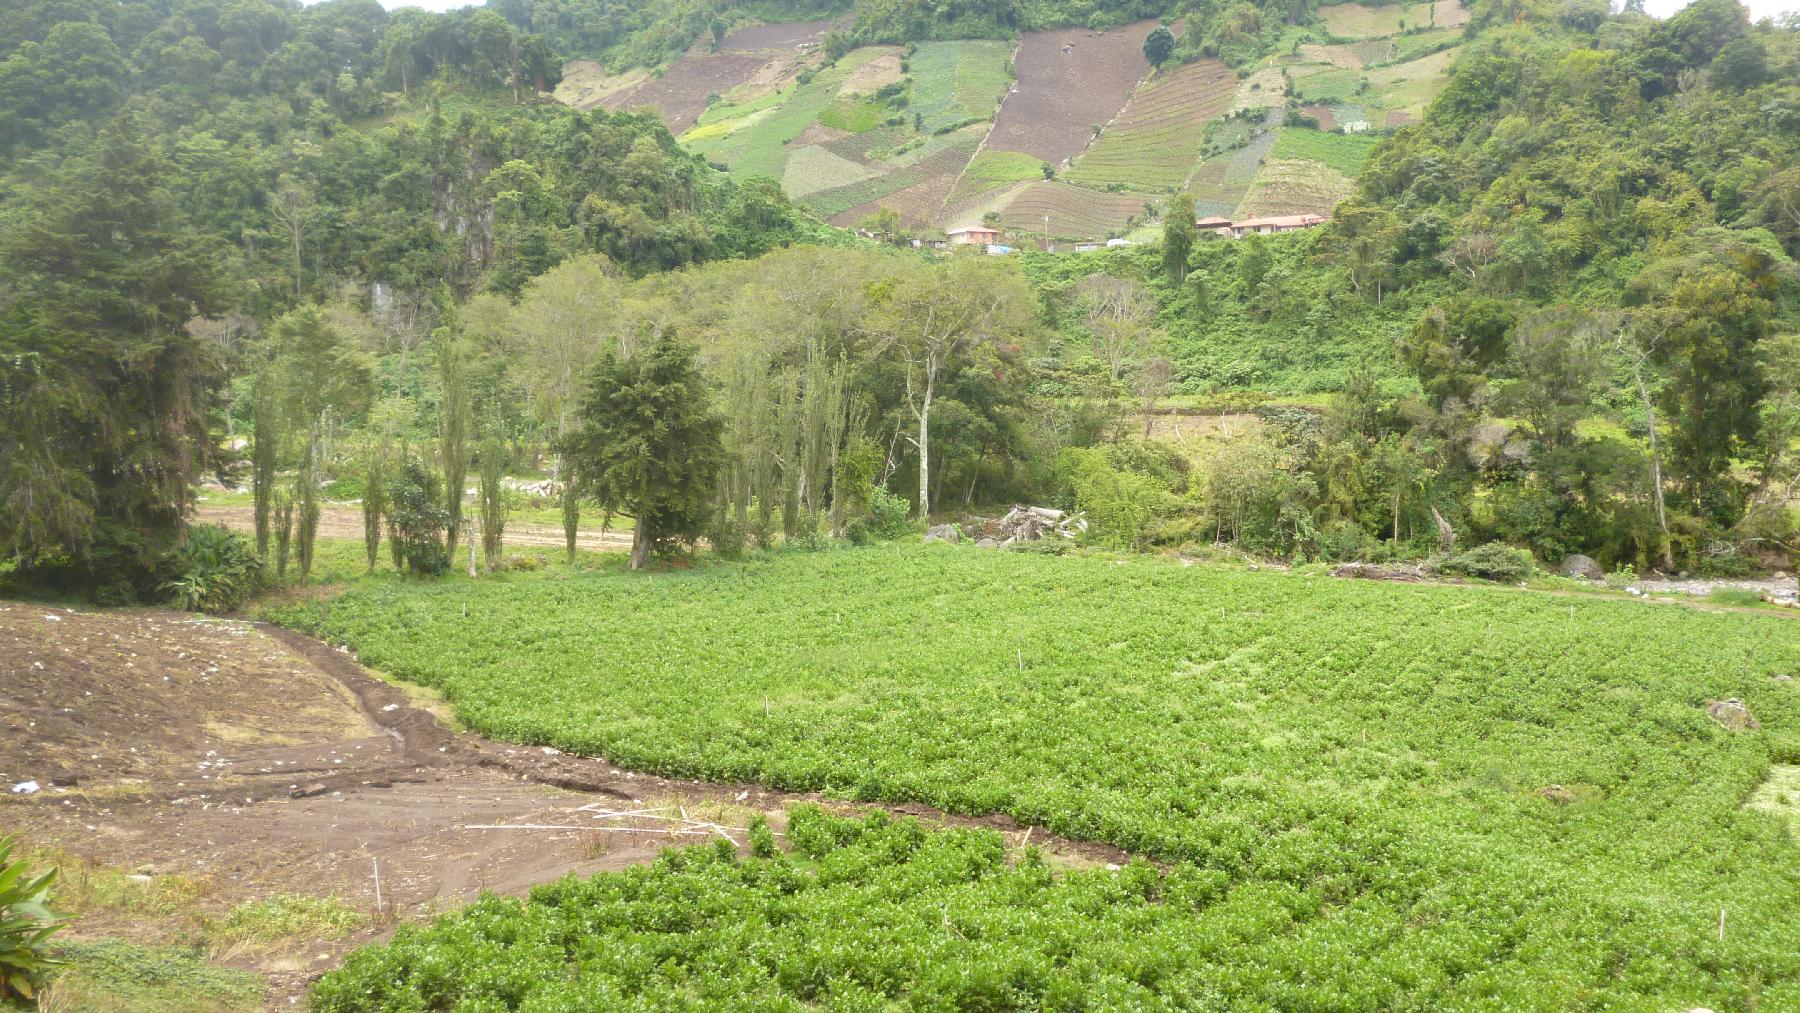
1365	769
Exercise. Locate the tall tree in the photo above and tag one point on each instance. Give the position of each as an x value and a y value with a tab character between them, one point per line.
648	444
930	318
453	426
1179	236
104	396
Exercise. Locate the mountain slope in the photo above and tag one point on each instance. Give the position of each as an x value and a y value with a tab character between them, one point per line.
884	128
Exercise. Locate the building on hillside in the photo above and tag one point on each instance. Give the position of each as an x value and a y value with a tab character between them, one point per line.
973	235
1086	247
1118	242
1259	226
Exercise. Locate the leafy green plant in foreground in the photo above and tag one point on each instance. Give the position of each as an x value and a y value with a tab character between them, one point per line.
26	925
1365	765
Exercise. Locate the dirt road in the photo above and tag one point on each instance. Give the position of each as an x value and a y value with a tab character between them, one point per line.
347	523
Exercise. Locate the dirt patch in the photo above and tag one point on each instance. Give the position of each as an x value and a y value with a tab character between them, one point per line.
327	773
1070	82
782	35
346	523
874	75
585	84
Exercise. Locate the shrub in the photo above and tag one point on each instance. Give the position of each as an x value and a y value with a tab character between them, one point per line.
216	571
1493	561
889	516
26	924
417	519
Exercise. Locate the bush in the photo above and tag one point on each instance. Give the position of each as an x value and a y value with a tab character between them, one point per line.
417	520
1493	561
26	924
889	516
216	571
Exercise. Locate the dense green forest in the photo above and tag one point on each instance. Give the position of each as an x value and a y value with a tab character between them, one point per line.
333	248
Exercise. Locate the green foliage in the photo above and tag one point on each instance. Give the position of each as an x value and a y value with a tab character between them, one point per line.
417	519
94	368
1179	237
26	925
213	571
1493	561
1340	152
648	444
1174	712
284	918
1159	45
113	976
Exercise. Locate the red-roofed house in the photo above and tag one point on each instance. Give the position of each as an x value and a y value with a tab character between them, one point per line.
1274	224
973	235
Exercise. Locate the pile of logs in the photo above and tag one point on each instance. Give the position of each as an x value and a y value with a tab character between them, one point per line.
1028	524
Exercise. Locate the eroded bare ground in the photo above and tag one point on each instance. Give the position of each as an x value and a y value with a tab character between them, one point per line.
245	762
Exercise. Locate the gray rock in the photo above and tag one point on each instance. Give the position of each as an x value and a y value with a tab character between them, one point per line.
987	543
1583	567
1733	714
943	533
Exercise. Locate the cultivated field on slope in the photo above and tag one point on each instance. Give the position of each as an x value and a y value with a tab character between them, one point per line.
1071	81
949	154
1073	212
748	62
1153	141
1220	182
1373	796
957	83
1294	186
1342	153
759	134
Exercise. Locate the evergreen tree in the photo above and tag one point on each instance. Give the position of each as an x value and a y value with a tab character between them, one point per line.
104	398
648	444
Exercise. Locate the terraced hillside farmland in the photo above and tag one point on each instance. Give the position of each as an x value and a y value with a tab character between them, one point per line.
1071	82
952	133
1072	212
749	62
958	83
1370	796
1153	141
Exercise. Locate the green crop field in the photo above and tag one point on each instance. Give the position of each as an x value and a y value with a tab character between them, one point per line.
1342	153
958	82
759	146
1154	140
1372	796
993	170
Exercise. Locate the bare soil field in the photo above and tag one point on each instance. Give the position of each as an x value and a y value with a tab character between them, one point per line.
198	764
1070	81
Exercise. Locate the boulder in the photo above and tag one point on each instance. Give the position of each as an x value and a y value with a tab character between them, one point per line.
1582	567
943	533
1733	714
986	543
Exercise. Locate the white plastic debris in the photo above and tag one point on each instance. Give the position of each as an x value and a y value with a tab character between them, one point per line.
390	707
25	788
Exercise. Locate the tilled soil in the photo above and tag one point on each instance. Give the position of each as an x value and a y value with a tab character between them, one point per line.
254	761
1070	81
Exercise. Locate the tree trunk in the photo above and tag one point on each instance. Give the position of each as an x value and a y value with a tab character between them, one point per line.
1656	479
925	451
640	545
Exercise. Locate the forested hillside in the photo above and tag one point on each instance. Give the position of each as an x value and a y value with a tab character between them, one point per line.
1555	313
